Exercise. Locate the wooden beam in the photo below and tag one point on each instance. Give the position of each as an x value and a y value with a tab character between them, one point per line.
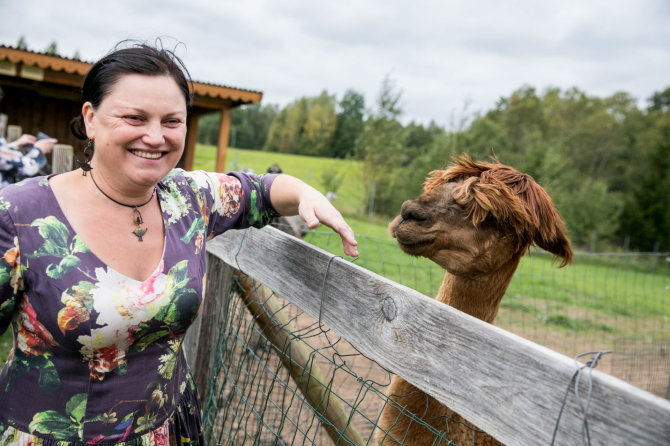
508	386
191	139
222	144
214	104
64	78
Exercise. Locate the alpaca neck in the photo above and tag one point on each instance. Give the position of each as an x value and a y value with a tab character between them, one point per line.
478	296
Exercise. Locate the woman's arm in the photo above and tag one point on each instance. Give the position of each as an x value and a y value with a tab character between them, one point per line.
290	196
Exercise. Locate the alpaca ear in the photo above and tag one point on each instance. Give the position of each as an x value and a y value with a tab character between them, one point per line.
557	244
550	233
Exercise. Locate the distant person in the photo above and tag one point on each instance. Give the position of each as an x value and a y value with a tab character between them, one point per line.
274	169
24	157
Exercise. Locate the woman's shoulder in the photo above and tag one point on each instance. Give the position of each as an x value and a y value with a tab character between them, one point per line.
178	179
182	185
195	181
181	176
27	191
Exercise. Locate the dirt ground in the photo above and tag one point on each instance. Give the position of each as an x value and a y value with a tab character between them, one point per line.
640	347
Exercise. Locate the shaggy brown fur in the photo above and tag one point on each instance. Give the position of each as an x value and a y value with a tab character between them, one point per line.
476	220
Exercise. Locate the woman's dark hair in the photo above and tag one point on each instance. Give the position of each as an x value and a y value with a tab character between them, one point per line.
138	58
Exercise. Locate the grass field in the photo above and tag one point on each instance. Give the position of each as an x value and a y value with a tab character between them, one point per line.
312	170
601	301
589	283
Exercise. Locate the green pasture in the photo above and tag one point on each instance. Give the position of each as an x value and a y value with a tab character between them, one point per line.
590	283
312	170
598	302
600	296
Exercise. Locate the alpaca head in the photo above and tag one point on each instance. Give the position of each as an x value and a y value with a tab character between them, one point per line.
475	217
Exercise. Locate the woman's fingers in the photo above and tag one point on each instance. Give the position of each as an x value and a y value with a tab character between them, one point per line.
324	213
349	242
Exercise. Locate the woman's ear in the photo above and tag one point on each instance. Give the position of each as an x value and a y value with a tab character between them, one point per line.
88	113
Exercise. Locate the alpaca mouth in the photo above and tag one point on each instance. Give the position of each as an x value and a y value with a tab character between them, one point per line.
407	245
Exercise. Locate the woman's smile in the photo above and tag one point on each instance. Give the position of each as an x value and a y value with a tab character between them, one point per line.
147	155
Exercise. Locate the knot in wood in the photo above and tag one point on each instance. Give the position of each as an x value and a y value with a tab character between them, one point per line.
389	309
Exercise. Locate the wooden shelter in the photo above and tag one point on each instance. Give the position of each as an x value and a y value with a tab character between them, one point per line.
41	93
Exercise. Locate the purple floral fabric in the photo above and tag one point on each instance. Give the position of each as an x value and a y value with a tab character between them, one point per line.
97	356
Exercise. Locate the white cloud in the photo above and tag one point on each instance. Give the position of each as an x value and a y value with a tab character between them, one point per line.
441	53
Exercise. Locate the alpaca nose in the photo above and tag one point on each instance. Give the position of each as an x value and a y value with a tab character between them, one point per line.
411	211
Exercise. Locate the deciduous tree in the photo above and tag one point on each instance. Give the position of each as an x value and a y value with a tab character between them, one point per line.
349	124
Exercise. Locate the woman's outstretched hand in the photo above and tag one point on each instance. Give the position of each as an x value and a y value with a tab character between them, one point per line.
291	196
316	209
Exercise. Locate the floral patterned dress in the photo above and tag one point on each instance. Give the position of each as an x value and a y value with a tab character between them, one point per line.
97	356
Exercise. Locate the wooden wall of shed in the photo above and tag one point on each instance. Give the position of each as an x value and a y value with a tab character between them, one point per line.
46	109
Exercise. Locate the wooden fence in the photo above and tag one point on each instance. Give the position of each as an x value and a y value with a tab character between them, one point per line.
506	385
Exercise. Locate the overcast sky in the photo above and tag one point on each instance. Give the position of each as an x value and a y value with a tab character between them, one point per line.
444	55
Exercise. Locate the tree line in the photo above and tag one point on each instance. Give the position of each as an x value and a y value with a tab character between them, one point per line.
604	161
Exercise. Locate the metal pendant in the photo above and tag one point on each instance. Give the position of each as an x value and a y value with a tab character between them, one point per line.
139	231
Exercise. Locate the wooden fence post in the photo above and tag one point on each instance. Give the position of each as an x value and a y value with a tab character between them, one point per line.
204	334
13	132
3	124
61	158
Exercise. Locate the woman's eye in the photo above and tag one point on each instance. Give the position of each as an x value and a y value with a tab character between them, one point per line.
132	118
172	122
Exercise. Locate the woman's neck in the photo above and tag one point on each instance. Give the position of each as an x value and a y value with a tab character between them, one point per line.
110	185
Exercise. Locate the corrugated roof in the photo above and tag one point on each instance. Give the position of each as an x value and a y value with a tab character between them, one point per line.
43	60
77	67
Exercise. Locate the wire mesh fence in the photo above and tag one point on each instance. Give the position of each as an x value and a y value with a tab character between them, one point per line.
604	301
282	378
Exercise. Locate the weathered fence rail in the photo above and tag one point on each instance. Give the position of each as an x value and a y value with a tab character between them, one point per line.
508	386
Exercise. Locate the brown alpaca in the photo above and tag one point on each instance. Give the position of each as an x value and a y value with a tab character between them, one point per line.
476	220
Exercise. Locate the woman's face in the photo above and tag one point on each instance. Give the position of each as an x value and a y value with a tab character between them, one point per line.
139	129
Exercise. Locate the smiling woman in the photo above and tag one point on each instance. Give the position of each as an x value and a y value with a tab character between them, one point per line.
102	269
139	138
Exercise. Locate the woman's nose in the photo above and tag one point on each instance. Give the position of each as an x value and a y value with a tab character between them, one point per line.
154	134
